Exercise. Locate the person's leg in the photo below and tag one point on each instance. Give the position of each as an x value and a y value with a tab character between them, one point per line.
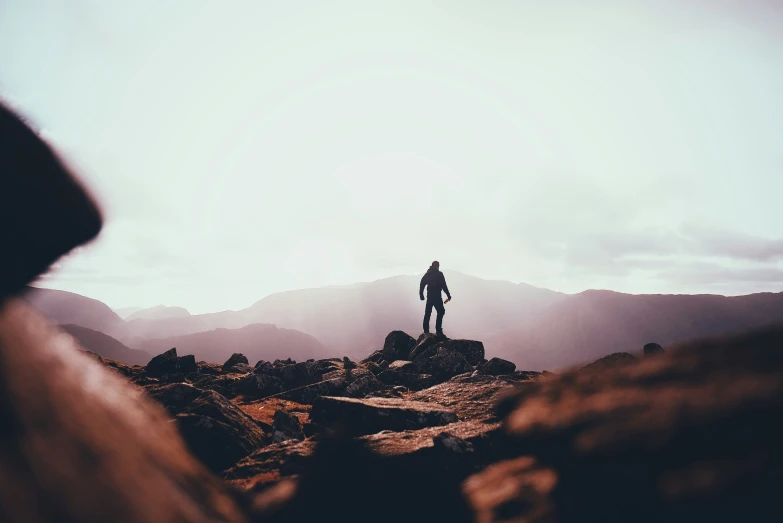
439	320
427	314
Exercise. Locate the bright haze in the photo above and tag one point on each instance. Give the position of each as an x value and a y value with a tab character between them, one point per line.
245	148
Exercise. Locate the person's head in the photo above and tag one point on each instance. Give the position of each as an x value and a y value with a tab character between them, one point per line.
435	264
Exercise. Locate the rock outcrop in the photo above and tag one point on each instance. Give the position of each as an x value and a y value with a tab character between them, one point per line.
368	416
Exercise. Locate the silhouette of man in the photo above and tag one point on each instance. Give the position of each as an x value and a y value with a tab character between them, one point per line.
435	282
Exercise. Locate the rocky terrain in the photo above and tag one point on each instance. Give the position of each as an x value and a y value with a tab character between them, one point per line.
671	436
256	424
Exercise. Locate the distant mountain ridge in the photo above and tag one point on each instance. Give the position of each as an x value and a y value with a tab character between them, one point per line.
535	328
158	312
105	346
257	342
594	323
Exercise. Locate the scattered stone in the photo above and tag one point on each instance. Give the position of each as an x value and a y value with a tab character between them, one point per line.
411	380
286	426
375	357
217	432
234	360
397	346
363	385
348	364
472	350
497	367
175	397
424	342
161	364
187	364
373	367
256	385
443	365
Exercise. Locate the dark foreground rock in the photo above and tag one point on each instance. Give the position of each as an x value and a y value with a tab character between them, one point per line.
215	429
690	435
470	397
368	416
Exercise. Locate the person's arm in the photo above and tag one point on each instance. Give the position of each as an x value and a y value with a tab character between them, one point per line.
421	286
445	287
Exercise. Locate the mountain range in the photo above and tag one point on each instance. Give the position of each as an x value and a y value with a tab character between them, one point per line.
535	328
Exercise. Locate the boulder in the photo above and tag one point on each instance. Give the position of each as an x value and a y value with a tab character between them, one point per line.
363	385
399	365
217	431
273	461
444	364
241	368
234	360
497	366
263	367
651	349
286	426
187	364
256	385
375	357
209	368
368	416
397	346
424	342
226	385
412	380
470	397
373	367
162	364
690	434
176	396
472	350
356	382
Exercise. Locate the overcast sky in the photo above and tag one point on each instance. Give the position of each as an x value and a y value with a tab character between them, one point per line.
244	148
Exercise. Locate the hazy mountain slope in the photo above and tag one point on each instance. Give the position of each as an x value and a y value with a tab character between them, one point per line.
257	342
106	346
158	312
147	328
69	308
358	317
124	312
355	318
592	324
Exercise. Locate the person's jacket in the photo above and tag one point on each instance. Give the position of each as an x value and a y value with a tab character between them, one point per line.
435	282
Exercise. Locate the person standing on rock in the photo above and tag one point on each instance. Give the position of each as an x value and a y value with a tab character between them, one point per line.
435	282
